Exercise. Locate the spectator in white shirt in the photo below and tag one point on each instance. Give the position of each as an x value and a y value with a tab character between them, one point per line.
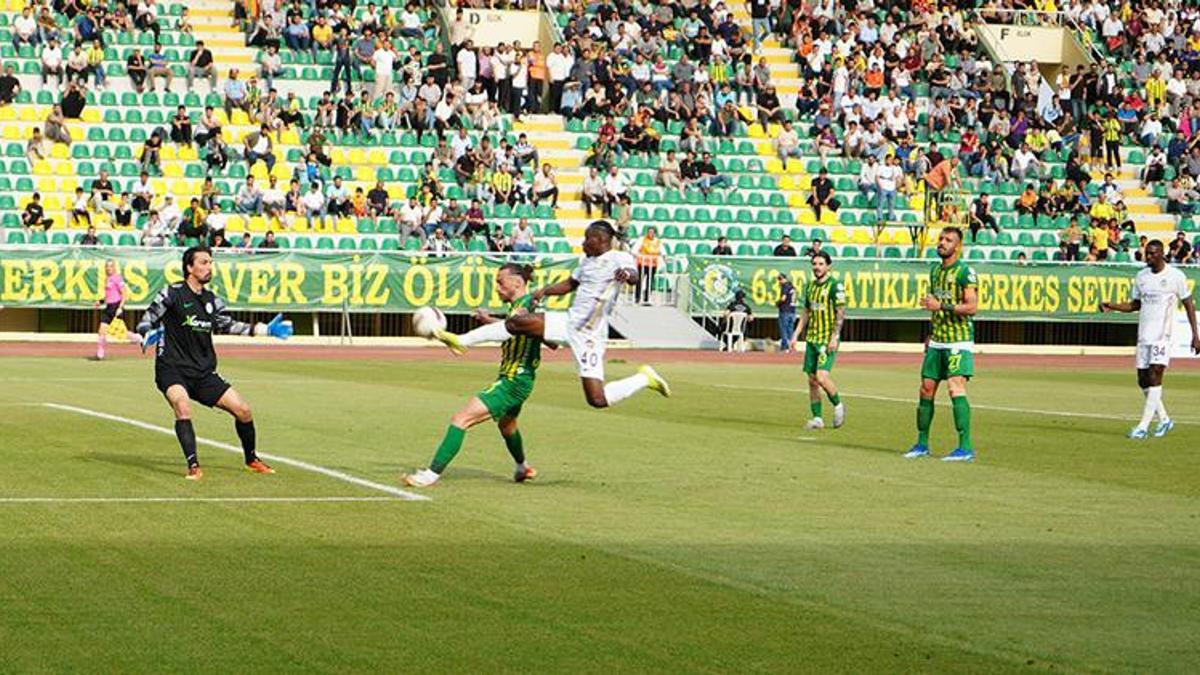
1025	163
887	180
52	63
615	186
787	143
411	217
868	177
1151	129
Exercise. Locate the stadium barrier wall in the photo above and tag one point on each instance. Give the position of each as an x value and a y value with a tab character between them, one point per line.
51	277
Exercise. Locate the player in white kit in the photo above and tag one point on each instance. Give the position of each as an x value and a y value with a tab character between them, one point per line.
596	282
1157	290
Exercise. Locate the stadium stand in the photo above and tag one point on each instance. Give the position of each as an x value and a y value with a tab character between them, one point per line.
746	119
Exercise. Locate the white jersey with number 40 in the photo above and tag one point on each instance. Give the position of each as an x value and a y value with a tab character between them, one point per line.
597	291
1159	294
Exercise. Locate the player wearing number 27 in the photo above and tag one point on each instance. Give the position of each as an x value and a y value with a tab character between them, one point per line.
952	301
1157	290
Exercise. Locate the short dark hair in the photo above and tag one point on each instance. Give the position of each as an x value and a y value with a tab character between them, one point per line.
823	255
956	230
189	257
603	227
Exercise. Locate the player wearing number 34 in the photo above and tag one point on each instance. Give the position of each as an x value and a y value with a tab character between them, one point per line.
1157	290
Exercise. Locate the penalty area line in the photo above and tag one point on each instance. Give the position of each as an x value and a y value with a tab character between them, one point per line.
182	500
278	459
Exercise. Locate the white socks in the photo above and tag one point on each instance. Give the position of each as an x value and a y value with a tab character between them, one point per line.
492	332
615	392
1153	405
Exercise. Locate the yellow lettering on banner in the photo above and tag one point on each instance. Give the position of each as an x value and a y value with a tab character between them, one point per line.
421	297
172	274
891	290
446	295
231	284
561	302
475	283
262	291
1053	294
45	273
15	288
377	291
291	277
922	288
137	280
75	283
334	283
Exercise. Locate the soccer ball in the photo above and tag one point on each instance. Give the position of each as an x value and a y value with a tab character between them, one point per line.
427	321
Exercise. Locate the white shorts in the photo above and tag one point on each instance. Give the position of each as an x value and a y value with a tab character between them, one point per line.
587	347
1154	354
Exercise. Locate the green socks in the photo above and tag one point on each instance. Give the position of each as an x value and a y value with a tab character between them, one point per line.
450	446
516	447
835	399
815	407
962	421
925	419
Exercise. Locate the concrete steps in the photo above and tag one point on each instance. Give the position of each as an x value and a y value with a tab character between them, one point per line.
556	147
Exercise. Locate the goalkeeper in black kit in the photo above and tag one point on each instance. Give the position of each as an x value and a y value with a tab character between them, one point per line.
181	321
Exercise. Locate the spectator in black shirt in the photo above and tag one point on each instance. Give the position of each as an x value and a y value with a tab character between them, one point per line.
135	66
785	248
181	127
981	216
786	302
722	247
822	194
769	108
35	215
102	193
709	178
73	102
377	200
268	241
1180	249
90	238
10	86
201	65
813	248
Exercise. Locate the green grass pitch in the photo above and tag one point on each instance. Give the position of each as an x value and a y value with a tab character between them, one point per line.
705	533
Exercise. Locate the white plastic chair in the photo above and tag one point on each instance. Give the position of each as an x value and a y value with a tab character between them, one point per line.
734	336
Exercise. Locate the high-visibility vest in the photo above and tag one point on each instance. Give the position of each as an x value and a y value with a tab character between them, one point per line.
649	253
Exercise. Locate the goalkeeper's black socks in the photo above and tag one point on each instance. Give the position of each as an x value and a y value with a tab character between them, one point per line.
245	432
187	441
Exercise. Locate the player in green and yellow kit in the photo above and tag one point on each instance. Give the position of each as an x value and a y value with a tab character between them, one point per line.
953	300
520	357
821	325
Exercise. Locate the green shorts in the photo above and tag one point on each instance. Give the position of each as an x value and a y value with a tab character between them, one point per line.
942	364
505	397
817	357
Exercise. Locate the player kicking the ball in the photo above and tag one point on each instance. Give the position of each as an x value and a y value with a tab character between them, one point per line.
949	356
519	360
596	283
181	321
821	325
1157	290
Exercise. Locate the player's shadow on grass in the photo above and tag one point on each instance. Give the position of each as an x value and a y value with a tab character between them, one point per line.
138	462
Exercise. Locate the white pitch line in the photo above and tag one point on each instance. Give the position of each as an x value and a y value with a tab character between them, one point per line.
974	406
278	459
172	500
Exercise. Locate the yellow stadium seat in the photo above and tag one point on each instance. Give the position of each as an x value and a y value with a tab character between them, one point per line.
8	114
301	224
807	217
774	166
168	153
51	202
290	137
396	191
172	170
805	182
188	153
240	118
48	185
259	171
356	157
901	237
366	174
282	171
377	158
257	224
91	116
346	226
235	223
787	184
42	168
840	234
12	133
829	217
338	156
59	151
158	185
861	235
756	131
31	115
180	188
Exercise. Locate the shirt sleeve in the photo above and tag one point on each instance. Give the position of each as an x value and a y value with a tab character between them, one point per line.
839	293
967	277
1184	291
224	323
1135	291
158	308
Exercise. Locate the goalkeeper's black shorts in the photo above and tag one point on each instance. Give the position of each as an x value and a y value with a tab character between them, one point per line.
206	389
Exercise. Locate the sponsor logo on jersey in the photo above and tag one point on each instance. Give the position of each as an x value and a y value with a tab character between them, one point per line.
197	324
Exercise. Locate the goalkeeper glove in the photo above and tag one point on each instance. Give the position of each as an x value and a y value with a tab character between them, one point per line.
277	328
152	338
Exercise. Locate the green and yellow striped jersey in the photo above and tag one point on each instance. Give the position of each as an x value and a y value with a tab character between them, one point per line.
949	284
822	300
520	355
